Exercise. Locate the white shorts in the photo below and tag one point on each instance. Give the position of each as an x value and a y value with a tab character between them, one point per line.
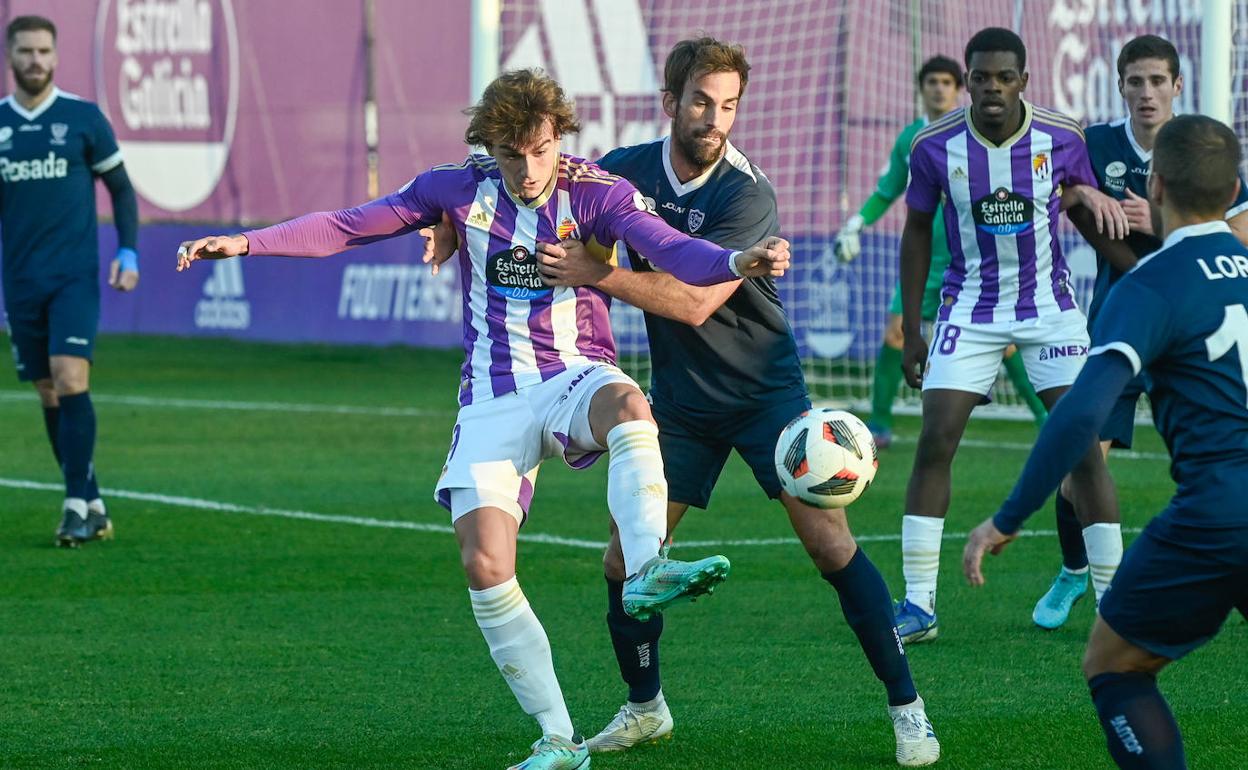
498	444
968	357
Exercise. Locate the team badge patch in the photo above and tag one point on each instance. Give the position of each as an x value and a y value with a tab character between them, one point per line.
696	218
1040	166
59	132
566	229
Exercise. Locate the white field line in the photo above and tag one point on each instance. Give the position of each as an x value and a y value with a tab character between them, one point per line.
245	406
398	411
416	526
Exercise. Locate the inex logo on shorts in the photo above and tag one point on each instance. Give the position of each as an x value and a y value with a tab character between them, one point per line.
167	77
1004	213
513	273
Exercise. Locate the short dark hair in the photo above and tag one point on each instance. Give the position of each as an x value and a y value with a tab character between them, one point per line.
1198	159
515	106
941	64
992	39
1148	47
29	24
700	56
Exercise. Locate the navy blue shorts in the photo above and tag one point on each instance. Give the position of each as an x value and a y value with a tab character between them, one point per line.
1119	428
1176	585
59	322
696	445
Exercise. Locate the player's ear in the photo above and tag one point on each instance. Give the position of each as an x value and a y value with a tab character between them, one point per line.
670	104
1023	80
1156	189
1178	84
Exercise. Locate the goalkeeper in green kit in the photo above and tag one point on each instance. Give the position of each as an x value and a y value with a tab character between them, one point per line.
940	85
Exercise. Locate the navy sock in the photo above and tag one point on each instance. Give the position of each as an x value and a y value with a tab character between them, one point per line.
52	424
76	441
1139	728
636	645
1070	534
868	609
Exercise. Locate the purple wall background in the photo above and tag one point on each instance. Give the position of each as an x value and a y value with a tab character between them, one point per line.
831	87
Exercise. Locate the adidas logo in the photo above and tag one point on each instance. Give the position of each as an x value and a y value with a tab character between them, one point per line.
958	174
511	672
223	305
478	218
655	490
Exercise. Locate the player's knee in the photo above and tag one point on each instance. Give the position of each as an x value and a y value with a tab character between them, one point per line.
618	403
937	444
47	392
485	569
70	376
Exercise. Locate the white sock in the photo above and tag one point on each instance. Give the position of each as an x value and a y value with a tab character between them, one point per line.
97	506
77	505
920	558
520	649
1104	545
637	491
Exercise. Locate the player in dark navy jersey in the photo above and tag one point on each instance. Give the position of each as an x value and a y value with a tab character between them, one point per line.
726	375
53	146
1180	317
1121	153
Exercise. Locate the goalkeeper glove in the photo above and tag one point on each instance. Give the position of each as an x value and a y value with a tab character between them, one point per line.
848	244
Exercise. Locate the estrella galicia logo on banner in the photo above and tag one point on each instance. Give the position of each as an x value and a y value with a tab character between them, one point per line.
513	273
1004	213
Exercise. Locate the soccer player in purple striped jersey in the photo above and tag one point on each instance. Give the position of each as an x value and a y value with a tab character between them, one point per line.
1004	169
539	379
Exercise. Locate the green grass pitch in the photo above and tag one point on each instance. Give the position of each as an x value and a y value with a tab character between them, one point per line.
212	635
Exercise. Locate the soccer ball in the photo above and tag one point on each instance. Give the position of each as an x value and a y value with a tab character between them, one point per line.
826	458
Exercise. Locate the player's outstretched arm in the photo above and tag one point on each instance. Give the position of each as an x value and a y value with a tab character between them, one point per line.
768	257
212	247
916	262
1115	250
569	263
1070	431
1107	214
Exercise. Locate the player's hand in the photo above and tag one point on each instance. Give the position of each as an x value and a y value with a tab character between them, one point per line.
848	240
985	538
769	256
123	272
212	247
568	263
914	359
1108	212
441	243
1139	213
122	280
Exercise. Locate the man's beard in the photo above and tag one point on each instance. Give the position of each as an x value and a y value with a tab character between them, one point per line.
700	154
32	84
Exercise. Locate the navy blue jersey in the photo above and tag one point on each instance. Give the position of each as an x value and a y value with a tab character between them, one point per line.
1121	164
1181	315
49	159
745	350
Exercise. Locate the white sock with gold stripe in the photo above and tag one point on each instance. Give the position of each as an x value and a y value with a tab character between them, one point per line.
920	558
1104	545
637	491
520	649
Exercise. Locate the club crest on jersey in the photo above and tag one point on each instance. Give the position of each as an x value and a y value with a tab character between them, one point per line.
566	229
6	138
1115	176
1003	213
59	132
696	218
514	273
1040	166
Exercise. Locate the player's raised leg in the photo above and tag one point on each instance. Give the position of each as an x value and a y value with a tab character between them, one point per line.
868	610
619	419
945	414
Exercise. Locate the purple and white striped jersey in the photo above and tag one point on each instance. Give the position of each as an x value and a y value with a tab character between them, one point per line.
1001	214
517	331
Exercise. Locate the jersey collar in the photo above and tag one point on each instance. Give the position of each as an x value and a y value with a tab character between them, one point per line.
1192	231
1145	155
682	189
34	114
1022	130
